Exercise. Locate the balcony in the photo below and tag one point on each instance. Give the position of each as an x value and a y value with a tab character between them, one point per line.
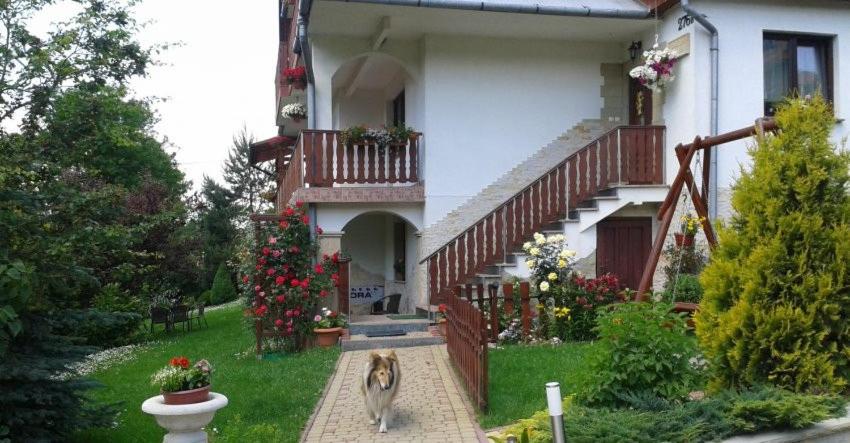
319	161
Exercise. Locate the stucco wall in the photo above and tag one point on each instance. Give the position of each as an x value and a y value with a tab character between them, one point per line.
741	26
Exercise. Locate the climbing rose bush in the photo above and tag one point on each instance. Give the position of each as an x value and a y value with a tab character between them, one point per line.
287	285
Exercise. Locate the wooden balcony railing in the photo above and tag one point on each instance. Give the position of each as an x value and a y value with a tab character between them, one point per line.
326	162
626	155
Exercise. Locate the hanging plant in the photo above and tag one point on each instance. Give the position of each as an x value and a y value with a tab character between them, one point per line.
295	111
382	137
657	69
297	77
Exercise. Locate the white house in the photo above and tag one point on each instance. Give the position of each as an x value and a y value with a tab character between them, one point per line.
527	120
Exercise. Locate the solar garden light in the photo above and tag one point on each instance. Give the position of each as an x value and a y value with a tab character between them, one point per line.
556	411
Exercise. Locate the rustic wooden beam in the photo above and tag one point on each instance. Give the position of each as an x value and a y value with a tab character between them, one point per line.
655	253
676	187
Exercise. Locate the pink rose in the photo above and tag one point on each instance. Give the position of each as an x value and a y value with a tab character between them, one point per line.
317	318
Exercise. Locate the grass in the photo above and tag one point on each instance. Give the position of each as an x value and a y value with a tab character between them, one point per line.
518	375
280	393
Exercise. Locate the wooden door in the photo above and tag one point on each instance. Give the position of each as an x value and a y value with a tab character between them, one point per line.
640	109
622	248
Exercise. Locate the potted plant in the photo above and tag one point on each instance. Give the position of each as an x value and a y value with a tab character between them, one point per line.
690	227
182	383
441	319
297	77
328	327
295	111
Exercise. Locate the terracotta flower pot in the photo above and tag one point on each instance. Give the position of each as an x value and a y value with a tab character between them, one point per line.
442	324
198	395
327	337
684	239
298	83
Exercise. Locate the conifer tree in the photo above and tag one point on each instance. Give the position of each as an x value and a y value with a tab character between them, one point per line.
776	307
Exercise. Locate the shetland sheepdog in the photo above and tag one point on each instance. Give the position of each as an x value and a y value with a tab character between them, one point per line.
381	378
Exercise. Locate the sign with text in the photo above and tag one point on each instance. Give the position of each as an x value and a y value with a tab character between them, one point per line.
365	295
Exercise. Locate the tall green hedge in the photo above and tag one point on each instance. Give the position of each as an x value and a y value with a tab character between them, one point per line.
776	307
222	287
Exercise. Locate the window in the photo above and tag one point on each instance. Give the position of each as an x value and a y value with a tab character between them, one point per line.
796	64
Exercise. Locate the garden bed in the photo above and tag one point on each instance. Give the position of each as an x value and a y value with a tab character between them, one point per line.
265	405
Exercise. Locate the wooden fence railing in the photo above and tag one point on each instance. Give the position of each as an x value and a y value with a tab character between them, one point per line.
624	155
293	176
327	161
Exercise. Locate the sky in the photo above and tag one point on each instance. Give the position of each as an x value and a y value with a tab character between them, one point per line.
219	79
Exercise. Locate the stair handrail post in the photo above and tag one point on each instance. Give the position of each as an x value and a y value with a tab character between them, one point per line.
619	156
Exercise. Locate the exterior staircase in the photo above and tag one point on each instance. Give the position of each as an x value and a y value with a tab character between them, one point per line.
568	194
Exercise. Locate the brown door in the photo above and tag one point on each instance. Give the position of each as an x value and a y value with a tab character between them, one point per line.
622	248
640	104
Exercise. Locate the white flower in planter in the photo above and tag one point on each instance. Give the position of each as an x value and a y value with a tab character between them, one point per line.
657	70
295	111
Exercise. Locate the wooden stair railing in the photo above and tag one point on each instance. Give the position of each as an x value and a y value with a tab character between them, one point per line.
623	155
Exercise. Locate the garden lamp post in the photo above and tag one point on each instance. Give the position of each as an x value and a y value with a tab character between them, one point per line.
556	411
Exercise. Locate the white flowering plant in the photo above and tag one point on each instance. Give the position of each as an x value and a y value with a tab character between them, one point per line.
180	375
657	70
295	111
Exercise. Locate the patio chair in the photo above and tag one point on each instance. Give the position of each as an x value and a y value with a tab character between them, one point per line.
392	304
198	315
180	314
160	316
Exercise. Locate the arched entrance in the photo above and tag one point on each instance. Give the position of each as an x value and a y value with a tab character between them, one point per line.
383	249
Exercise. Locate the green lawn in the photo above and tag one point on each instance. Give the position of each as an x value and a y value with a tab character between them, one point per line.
518	376
262	394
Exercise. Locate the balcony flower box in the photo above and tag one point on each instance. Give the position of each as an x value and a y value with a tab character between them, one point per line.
296	77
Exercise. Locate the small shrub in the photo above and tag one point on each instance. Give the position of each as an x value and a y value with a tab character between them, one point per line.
687	289
644	349
205	297
776	307
102	329
222	290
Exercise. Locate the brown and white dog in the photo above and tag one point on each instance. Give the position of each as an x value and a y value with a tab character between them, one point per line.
381	378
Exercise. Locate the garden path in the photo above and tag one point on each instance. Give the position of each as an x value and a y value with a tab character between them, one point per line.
430	407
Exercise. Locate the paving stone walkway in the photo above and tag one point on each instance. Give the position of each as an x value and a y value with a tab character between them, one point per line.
430	406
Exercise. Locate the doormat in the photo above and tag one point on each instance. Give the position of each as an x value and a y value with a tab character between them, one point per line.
388	333
406	317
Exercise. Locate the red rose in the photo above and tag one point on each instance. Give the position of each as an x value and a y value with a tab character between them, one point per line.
284	224
288	313
299	203
279	280
259	267
442	308
335	257
326	257
280	299
266	250
288	211
296	313
262	260
270	271
244	279
305	220
294	249
319	230
278	323
319	269
305	283
334	277
257	288
323	293
294	282
261	311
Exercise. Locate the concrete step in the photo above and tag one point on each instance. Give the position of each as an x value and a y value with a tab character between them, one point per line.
418	338
362	328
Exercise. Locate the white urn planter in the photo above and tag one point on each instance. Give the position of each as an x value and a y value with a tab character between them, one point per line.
184	423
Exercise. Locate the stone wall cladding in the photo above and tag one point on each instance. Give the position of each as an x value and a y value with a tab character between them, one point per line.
498	192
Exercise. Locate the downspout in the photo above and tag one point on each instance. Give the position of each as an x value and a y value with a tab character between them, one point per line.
303	48
514	7
715	79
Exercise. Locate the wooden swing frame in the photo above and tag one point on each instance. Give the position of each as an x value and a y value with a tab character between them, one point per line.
699	197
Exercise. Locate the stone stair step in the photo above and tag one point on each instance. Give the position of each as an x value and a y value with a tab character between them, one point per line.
419	338
417	325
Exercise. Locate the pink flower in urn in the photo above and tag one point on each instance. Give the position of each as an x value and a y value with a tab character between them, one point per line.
317	318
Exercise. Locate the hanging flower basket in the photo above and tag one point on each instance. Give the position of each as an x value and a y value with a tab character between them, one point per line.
657	69
296	77
294	111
